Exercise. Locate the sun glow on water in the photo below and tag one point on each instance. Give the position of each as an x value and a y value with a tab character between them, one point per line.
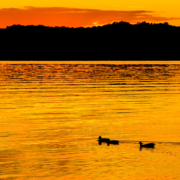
52	115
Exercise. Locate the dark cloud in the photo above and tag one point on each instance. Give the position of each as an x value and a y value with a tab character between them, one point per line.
73	17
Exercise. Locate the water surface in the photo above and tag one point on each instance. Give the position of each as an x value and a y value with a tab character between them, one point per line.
52	115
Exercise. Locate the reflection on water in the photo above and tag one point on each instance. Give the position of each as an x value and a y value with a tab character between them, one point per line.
52	115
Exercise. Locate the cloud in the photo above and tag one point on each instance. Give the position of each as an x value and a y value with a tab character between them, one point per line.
73	17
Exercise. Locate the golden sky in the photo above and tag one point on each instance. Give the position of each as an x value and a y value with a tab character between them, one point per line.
76	13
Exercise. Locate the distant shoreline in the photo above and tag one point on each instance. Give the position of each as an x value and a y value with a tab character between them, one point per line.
117	41
92	62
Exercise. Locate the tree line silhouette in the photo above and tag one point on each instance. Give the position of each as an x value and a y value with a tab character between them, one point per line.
117	41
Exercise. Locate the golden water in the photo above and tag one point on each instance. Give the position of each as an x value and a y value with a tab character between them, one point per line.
52	115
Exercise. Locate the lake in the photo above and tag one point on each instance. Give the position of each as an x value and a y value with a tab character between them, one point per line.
53	113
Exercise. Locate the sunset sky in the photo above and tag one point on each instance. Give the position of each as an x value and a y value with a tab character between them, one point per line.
76	13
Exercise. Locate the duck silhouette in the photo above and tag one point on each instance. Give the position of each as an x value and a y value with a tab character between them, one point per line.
149	145
107	140
115	142
100	139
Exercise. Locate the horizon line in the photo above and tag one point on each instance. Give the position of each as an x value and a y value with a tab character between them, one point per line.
123	62
115	22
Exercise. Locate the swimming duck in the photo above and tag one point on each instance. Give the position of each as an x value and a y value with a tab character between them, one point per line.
103	139
149	145
112	142
100	139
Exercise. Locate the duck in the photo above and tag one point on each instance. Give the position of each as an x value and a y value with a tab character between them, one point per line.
103	139
100	139
115	142
149	145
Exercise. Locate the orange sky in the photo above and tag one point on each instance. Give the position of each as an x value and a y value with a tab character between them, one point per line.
78	13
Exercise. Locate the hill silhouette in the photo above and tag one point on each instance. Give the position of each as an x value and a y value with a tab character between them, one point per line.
117	41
